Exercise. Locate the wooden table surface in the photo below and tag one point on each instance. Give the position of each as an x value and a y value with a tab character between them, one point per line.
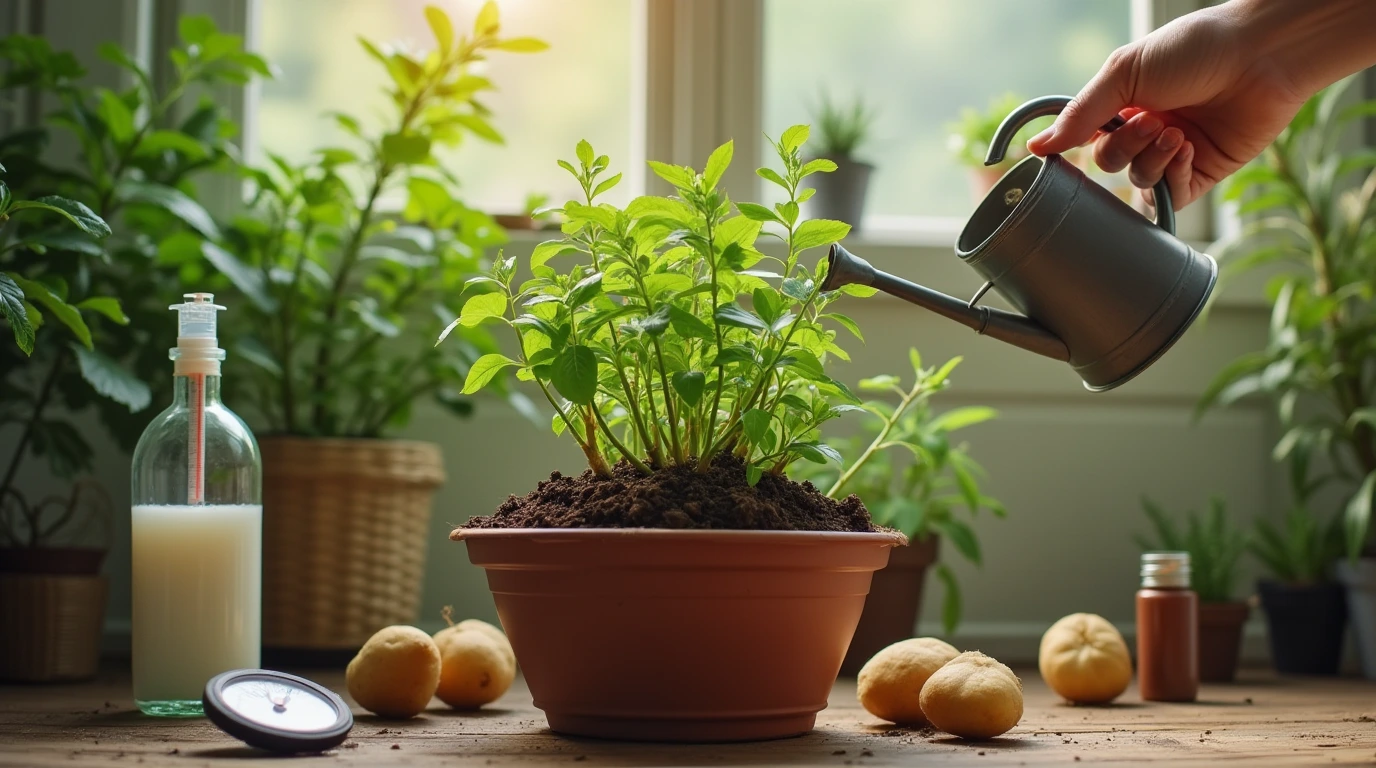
1258	721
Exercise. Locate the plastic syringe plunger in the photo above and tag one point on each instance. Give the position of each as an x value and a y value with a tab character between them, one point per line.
197	349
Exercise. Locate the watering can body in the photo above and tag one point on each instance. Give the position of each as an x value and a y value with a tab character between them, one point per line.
1098	285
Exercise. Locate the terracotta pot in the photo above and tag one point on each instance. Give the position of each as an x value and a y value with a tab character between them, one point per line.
52	561
664	635
983	179
1220	640
894	603
515	221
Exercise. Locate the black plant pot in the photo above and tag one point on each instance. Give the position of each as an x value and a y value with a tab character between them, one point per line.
1306	623
840	194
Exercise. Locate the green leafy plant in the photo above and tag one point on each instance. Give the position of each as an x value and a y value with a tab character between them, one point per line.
971	136
1320	363
641	343
139	151
333	284
841	128
1302	549
910	473
537	206
1215	547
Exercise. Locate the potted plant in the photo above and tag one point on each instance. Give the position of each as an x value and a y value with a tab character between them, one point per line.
841	130
970	136
682	588
80	304
1305	611
331	284
535	215
1215	548
1311	222
923	498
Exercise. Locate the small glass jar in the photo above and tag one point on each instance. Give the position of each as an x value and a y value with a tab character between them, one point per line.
1167	629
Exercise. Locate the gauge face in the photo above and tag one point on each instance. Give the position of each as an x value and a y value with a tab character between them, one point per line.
279	704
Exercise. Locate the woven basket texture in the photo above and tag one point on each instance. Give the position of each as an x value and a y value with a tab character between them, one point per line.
345	523
50	626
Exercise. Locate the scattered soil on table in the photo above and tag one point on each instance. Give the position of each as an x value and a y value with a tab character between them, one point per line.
678	497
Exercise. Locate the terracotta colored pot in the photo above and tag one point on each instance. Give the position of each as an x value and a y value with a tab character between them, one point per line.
663	635
894	603
1220	640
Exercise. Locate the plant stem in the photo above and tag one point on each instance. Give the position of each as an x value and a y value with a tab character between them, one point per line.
875	444
626	452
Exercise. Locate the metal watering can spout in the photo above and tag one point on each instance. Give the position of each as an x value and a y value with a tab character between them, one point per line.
845	268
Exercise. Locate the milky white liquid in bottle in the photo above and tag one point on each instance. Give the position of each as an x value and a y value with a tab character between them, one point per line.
197	532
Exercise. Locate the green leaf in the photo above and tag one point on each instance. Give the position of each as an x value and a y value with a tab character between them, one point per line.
84	218
959	534
606	184
441	26
248	280
196	29
817	453
655	324
814	232
116	115
944	371
575	373
755	424
959	418
807	364
112	380
733	315
952	604
522	45
689	385
12	307
584	290
1357	517
796	288
584	152
820	165
405	149
548	250
766	303
881	383
480	128
770	175
757	212
175	141
488	21
717	164
172	200
674	174
69	315
753	473
480	308
793	138
846	323
859	291
105	305
1362	416
484	370
688	325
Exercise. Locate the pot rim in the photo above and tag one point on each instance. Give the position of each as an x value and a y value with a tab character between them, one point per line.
888	537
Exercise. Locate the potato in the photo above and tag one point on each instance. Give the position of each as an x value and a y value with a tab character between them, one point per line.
475	668
974	697
890	684
1084	659
395	673
478	625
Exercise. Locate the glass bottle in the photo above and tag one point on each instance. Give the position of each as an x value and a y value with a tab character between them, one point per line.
197	531
1167	629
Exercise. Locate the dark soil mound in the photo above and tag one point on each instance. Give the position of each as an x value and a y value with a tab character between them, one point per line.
678	497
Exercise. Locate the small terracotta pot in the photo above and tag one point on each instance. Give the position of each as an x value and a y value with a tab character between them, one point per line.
1220	640
982	180
515	221
665	635
894	603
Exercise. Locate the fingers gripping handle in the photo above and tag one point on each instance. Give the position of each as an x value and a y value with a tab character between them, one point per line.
1053	105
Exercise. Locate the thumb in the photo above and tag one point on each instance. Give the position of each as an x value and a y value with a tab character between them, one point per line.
1097	103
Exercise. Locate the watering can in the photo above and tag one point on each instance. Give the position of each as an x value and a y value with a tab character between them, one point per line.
1099	286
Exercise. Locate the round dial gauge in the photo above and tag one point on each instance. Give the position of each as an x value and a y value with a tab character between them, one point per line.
277	711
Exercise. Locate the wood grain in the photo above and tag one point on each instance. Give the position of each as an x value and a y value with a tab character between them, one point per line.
1259	721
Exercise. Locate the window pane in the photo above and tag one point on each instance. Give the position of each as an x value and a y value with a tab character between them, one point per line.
920	62
579	88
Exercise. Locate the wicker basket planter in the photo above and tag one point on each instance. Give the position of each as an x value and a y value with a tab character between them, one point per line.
50	626
344	537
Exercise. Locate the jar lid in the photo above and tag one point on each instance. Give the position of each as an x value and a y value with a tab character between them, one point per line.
1166	569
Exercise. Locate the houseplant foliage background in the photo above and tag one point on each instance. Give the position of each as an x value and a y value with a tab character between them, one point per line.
642	345
333	283
139	153
1320	364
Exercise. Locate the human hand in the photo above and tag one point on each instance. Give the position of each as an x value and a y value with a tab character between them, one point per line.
1201	99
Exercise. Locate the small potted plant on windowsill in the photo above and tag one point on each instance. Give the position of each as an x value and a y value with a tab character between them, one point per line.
841	131
535	215
921	498
331	287
969	142
1306	614
689	591
1215	548
1308	218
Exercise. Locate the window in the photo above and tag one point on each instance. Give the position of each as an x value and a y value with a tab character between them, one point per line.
920	62
580	88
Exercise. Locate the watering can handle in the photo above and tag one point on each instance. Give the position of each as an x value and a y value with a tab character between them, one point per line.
1052	105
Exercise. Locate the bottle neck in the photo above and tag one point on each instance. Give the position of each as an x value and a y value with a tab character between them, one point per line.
181	392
